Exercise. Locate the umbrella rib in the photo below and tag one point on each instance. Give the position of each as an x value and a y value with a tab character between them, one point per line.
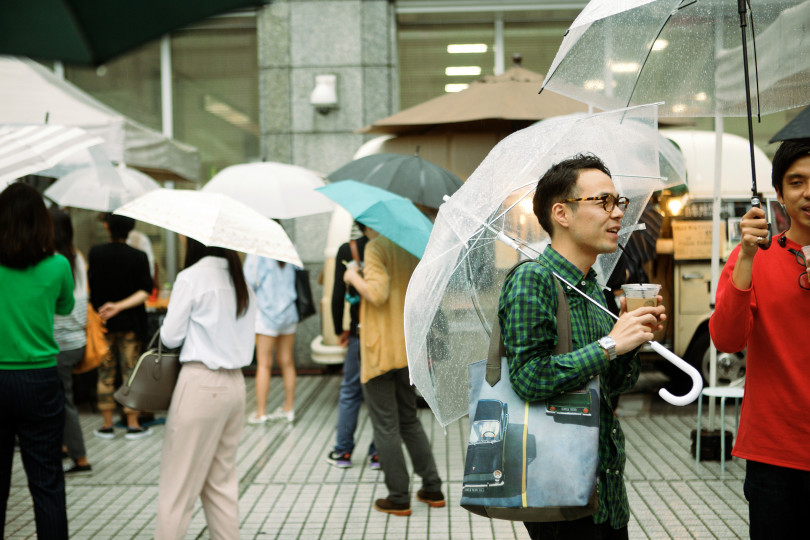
650	48
475	301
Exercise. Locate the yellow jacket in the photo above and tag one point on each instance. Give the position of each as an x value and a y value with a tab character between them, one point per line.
387	270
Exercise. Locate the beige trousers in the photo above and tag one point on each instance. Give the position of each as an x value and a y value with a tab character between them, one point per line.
205	420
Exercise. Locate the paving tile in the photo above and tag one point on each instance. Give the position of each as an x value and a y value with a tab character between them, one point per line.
287	490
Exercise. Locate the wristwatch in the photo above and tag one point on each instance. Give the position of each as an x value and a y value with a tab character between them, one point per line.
609	346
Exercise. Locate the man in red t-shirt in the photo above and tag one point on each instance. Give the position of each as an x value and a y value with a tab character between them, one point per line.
763	303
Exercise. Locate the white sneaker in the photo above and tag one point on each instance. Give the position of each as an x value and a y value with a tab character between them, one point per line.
281	415
257	419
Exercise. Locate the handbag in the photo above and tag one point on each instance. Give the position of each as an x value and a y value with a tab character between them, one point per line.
530	461
97	347
151	383
303	300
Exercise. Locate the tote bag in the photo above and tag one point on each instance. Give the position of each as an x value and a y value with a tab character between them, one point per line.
530	461
97	347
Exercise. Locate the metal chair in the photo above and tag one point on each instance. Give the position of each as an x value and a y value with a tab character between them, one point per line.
733	391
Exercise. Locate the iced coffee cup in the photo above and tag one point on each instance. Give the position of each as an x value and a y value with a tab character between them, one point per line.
641	294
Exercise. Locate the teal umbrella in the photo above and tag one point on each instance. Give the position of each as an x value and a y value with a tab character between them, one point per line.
392	216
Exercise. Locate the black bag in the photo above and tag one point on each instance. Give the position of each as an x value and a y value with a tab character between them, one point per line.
303	301
151	384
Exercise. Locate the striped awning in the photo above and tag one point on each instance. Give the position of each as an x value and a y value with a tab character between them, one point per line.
27	149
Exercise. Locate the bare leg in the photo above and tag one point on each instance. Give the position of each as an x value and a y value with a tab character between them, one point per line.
284	357
264	363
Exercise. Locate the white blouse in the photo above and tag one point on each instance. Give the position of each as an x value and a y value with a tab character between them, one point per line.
202	317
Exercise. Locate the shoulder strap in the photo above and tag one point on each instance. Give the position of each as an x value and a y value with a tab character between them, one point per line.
355	252
564	334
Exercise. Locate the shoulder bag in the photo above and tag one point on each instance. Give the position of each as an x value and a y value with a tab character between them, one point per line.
533	461
97	347
303	300
151	383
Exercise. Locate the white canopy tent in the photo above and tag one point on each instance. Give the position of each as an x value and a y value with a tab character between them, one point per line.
30	93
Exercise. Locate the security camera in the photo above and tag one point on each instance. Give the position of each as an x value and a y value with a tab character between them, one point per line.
324	95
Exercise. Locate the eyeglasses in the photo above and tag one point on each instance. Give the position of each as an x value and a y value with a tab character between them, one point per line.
609	202
803	281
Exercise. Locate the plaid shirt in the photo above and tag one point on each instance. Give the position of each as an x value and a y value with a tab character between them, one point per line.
527	313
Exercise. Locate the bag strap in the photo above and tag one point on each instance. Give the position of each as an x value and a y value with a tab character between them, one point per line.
355	253
564	333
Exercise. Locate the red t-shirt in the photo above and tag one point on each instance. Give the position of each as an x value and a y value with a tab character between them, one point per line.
772	319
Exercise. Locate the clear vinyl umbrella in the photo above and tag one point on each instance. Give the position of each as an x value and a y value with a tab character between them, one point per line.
453	294
693	55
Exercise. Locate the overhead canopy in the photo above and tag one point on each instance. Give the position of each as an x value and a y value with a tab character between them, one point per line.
508	101
92	32
30	93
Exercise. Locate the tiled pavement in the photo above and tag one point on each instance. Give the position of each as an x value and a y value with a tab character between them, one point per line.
288	491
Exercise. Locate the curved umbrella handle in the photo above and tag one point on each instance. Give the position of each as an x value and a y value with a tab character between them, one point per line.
697	378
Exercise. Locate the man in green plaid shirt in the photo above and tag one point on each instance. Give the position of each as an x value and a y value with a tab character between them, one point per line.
577	204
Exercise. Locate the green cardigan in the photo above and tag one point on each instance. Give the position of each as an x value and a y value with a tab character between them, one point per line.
29	299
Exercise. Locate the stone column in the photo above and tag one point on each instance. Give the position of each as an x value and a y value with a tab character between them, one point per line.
298	40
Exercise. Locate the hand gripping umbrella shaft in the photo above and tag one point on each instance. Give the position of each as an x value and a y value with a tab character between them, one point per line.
666	395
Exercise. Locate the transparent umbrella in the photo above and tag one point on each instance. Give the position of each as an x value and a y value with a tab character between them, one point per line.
693	55
453	294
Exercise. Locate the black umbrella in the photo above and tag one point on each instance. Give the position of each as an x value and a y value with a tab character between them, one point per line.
798	128
94	31
412	177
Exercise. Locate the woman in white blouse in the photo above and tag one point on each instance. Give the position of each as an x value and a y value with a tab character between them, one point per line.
212	315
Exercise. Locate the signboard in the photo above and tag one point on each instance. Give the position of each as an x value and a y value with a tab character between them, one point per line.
693	239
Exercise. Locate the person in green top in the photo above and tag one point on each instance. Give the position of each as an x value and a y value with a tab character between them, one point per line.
577	204
35	284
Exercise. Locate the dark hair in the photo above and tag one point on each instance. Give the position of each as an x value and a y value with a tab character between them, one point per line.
196	251
119	226
786	155
63	237
26	233
559	183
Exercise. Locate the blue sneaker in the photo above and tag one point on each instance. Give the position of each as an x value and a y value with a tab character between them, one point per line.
341	461
374	463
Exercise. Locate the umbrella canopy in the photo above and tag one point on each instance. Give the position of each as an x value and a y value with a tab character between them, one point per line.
101	188
798	128
275	190
87	32
412	177
214	220
26	149
392	216
452	297
686	53
491	102
30	93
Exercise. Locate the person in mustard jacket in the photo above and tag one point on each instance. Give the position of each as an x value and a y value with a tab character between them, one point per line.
384	373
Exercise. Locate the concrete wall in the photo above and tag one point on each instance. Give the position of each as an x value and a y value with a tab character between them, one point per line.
299	39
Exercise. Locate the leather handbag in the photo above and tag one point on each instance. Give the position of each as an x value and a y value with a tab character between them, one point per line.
303	300
151	383
533	461
97	347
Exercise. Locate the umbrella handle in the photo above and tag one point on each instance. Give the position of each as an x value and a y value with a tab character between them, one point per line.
767	243
697	378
